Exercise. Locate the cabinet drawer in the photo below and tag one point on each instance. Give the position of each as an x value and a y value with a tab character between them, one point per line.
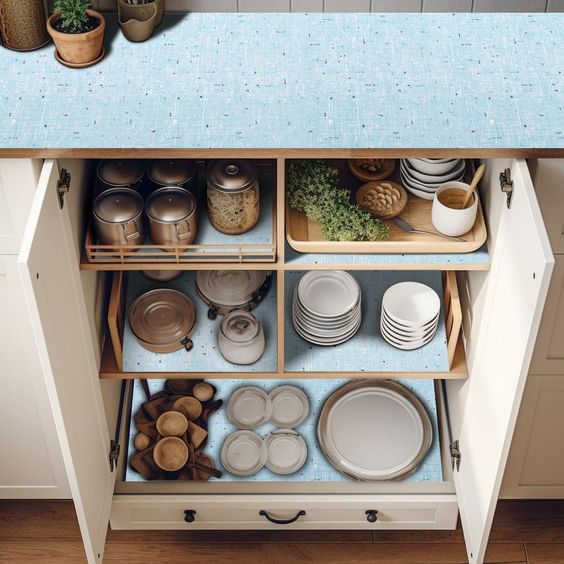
321	512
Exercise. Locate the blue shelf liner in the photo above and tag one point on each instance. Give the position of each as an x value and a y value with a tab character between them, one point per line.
316	468
367	351
320	81
479	257
205	356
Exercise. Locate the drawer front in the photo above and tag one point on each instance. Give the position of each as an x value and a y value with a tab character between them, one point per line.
321	512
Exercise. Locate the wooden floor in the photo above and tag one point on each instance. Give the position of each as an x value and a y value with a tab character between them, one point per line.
47	532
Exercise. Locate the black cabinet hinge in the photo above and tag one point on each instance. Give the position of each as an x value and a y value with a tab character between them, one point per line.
114	454
506	185
455	455
63	186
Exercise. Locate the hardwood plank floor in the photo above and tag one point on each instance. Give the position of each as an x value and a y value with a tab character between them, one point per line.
46	532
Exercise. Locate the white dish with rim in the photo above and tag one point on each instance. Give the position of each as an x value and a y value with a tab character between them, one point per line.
438	166
326	341
411	304
409	331
424	185
243	453
403	345
249	407
290	406
432	178
286	451
403	337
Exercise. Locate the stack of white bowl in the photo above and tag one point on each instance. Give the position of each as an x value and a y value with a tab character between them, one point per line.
327	307
422	177
410	315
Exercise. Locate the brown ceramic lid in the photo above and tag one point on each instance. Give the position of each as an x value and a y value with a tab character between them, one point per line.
162	316
121	172
229	287
170	204
162	275
231	175
167	172
117	205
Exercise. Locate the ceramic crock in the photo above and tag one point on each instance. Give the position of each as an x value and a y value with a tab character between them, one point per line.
241	338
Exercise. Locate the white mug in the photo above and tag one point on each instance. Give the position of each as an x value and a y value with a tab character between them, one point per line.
450	221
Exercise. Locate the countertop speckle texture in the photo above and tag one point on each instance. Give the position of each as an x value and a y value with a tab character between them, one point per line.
299	81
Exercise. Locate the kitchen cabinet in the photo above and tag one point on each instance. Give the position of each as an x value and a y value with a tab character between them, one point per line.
501	309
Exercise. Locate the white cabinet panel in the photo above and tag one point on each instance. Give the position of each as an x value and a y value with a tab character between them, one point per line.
548	178
18	180
51	279
518	282
548	357
535	468
32	463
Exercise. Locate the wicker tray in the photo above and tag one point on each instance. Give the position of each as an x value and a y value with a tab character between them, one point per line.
305	235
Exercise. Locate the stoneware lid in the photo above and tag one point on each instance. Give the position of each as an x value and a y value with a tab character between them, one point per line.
290	406
249	407
170	204
243	453
233	288
117	205
121	172
167	172
240	327
232	175
286	451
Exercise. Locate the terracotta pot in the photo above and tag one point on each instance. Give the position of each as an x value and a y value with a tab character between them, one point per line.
78	48
137	21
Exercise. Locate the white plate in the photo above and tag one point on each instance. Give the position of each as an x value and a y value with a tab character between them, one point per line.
433	178
405	346
286	451
425	186
249	407
243	453
374	430
409	331
326	323
328	293
403	337
290	406
325	330
418	193
438	166
411	304
326	341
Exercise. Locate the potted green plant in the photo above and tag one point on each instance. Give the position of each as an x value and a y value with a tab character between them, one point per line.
78	32
138	18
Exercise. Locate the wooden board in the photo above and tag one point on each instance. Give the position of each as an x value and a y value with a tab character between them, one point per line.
305	235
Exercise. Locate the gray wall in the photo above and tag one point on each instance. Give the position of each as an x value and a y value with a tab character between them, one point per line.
355	5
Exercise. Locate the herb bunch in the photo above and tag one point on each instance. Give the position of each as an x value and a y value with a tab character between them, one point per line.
73	13
312	189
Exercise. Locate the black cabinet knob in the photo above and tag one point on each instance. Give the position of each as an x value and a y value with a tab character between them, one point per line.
189	515
371	515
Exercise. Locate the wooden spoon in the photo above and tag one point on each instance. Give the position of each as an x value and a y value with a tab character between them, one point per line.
477	176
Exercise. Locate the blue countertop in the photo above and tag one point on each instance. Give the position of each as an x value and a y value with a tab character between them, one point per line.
278	81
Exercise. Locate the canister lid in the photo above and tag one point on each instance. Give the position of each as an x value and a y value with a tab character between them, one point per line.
121	172
240	326
169	172
170	204
117	205
232	175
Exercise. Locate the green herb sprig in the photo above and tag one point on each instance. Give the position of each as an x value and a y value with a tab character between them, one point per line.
73	13
312	189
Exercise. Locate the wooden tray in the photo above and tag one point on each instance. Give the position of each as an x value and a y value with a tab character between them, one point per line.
305	235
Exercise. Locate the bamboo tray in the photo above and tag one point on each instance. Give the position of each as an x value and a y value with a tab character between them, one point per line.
305	236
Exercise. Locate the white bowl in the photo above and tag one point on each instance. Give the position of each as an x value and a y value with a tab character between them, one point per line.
411	304
419	193
440	166
450	221
414	183
408	333
430	178
404	345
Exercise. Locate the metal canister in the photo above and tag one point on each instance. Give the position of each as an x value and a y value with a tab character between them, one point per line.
177	172
118	217
23	24
172	215
233	196
122	173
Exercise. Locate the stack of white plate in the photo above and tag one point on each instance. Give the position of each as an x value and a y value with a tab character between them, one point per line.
327	307
410	315
422	177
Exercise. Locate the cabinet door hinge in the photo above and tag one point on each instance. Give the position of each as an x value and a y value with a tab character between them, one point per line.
114	455
455	455
506	185
63	186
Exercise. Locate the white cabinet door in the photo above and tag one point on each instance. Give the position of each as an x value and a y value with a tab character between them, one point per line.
32	464
520	273
51	279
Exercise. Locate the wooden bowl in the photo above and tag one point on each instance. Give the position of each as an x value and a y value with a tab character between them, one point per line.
188	406
384	169
172	424
384	199
170	454
203	391
142	441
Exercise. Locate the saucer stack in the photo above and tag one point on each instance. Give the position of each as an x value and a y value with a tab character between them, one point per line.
422	177
327	307
410	315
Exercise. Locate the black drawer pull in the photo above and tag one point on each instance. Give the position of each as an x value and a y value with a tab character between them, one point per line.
189	515
293	519
371	515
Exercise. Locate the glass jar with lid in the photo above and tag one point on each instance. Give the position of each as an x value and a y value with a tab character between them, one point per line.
233	196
